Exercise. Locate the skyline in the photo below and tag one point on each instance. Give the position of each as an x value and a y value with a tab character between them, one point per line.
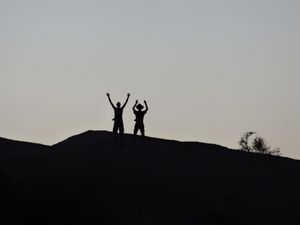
209	70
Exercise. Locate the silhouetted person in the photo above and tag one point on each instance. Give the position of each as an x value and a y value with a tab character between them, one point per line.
118	119
139	118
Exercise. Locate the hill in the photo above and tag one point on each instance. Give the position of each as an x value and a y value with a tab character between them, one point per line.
86	180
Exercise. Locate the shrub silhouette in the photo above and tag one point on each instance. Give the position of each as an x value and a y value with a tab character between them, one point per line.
244	141
259	145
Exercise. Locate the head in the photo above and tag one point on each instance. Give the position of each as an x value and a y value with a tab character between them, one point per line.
139	107
118	104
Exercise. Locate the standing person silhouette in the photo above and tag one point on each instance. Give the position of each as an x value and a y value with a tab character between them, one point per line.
118	119
139	118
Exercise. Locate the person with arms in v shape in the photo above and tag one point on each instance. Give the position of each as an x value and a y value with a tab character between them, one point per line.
118	119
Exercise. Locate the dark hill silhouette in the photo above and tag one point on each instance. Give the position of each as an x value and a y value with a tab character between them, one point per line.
85	180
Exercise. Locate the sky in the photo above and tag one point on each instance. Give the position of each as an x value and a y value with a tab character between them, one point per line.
210	70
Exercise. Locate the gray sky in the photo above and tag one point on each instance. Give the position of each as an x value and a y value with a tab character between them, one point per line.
210	70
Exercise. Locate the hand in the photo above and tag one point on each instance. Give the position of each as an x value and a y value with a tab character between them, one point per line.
145	102
107	94
136	102
128	94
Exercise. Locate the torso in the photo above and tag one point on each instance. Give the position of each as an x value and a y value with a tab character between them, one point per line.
139	117
118	115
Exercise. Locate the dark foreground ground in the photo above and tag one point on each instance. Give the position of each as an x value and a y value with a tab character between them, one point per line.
84	180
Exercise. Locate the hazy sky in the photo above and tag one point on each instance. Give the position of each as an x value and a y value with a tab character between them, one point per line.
210	69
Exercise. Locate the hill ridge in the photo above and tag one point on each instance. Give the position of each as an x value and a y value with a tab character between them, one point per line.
86	180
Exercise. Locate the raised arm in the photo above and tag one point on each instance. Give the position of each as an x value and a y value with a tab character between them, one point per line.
126	101
146	110
133	108
110	100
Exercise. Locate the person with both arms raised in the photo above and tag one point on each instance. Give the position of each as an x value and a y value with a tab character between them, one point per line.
139	119
118	119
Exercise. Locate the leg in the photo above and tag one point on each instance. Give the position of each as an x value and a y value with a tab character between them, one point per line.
142	128
121	131
115	133
134	134
136	128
